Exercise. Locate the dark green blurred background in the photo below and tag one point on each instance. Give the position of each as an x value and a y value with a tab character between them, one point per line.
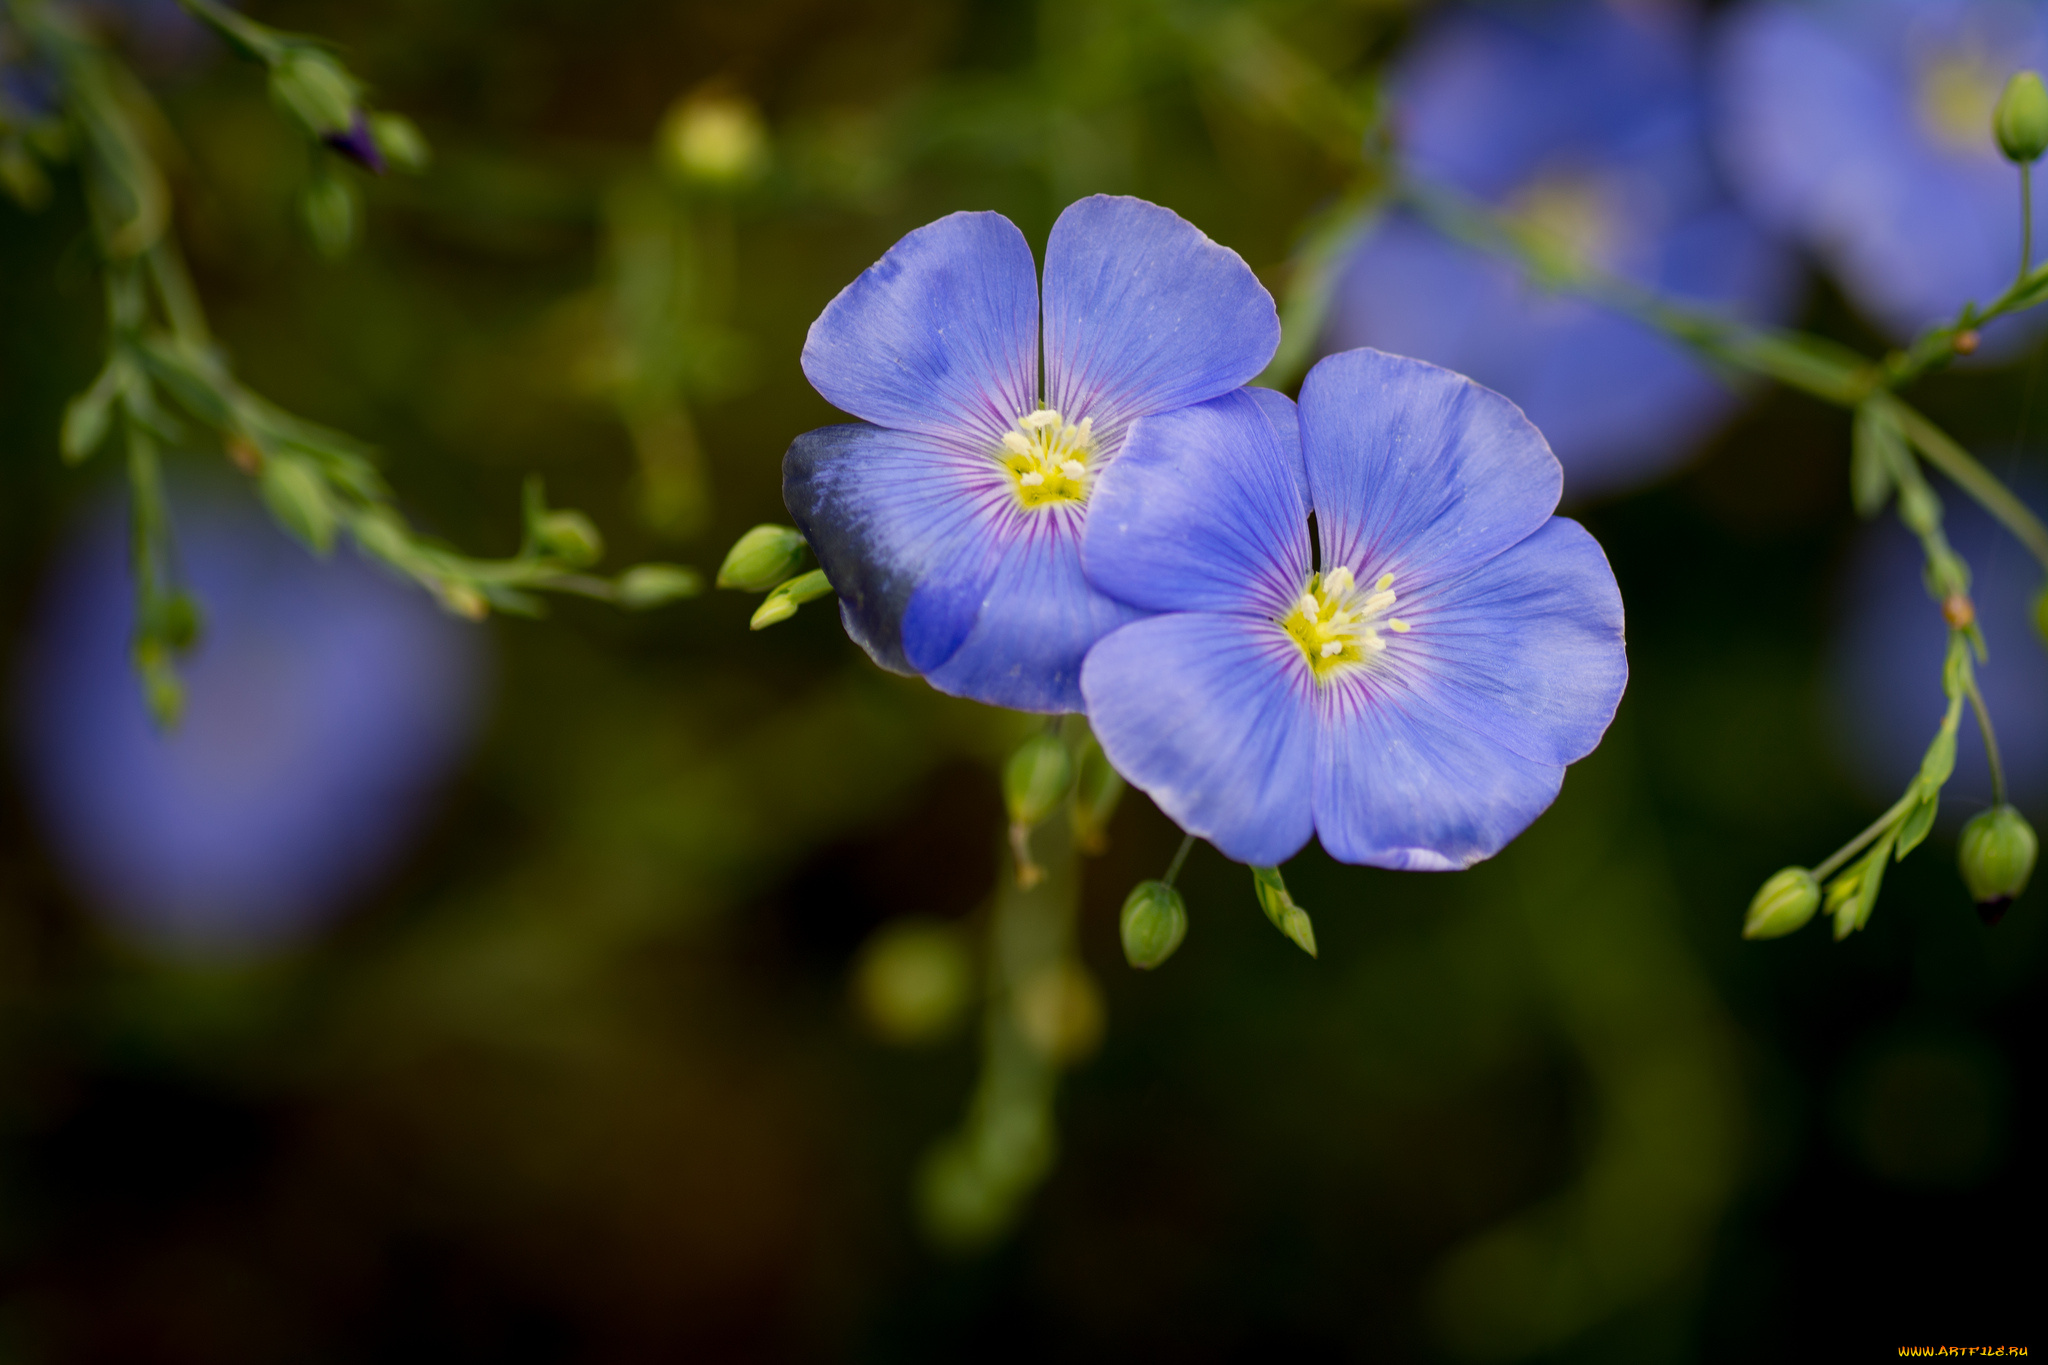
582	1083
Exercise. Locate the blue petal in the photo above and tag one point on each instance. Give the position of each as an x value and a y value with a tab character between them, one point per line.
882	510
1527	649
1212	717
1011	624
1416	471
1144	314
1286	420
1398	784
1618	401
940	336
1202	511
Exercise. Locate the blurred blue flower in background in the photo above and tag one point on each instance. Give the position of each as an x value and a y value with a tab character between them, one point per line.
1885	674
324	703
951	527
1268	703
1586	120
1863	129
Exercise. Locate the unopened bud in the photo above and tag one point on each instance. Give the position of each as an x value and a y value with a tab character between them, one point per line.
652	585
2021	119
2041	615
1034	780
1996	854
571	538
298	497
781	604
1967	341
1289	918
1784	903
1036	777
1958	610
401	142
714	139
313	86
762	558
1154	921
329	209
357	143
913	981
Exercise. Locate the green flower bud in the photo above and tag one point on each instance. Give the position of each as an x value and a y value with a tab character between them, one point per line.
762	558
315	88
781	604
913	981
1289	918
571	538
2041	615
399	139
298	498
1996	854
1785	903
1154	921
2021	120
1035	778
329	209
653	585
175	620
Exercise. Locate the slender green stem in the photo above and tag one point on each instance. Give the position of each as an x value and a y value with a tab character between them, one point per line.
1942	451
2026	218
1990	740
1877	827
1173	868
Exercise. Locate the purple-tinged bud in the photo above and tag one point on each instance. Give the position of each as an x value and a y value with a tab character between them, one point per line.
358	144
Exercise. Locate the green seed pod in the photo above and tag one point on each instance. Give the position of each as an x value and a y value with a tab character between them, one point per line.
2021	120
1785	903
762	558
1154	921
1996	854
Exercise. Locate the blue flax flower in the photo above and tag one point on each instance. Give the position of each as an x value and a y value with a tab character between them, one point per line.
1587	122
324	704
1413	703
949	520
1863	128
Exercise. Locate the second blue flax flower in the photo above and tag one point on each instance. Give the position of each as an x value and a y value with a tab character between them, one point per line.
1413	699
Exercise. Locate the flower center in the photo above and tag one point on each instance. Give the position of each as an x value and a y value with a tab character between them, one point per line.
1048	458
1956	97
1337	623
